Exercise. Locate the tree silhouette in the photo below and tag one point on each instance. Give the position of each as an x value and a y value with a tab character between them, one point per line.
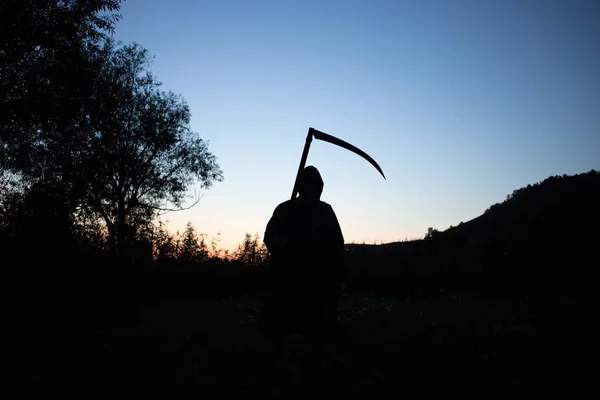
133	152
193	247
166	245
83	118
49	59
46	72
251	252
431	232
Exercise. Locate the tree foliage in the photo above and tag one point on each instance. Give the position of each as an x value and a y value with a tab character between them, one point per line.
129	154
166	245
431	232
139	157
47	69
87	118
193	247
251	251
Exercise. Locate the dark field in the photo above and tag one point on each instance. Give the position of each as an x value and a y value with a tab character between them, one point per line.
93	154
214	345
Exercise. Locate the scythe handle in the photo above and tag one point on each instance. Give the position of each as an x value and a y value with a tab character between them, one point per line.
302	161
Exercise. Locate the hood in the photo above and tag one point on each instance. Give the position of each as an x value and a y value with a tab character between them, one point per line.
310	184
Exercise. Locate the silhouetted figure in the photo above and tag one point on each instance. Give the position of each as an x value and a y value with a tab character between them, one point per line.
307	266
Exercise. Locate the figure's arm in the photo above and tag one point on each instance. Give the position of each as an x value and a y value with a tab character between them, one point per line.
274	237
271	231
338	250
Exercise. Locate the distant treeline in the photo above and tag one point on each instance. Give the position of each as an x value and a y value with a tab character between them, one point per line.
541	239
93	152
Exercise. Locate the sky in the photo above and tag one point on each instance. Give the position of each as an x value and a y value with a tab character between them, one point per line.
459	101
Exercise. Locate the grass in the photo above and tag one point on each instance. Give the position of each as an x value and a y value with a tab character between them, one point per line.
216	344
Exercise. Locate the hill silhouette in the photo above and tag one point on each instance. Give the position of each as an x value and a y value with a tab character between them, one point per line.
541	236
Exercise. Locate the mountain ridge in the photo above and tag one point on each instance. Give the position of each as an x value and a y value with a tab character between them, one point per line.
517	203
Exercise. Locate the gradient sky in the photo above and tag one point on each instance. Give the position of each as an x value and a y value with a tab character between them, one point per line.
460	102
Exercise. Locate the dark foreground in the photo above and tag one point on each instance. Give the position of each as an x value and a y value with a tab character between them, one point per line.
214	346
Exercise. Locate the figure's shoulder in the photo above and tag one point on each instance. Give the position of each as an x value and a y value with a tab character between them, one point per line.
286	204
283	207
325	206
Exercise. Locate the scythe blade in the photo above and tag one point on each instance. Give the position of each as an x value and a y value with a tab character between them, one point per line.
339	142
333	140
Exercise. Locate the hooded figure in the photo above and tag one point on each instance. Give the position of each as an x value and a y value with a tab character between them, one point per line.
307	270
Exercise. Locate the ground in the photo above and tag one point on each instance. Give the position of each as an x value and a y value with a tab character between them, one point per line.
215	344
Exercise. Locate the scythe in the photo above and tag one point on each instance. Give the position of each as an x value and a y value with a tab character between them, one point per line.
333	140
326	138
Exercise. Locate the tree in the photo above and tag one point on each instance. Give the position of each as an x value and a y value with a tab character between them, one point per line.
83	118
193	247
251	252
49	58
132	152
166	245
431	232
46	70
140	152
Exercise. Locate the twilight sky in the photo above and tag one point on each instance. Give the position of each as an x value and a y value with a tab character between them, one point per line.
459	101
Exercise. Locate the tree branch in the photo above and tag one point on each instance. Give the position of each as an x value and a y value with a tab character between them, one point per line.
159	209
